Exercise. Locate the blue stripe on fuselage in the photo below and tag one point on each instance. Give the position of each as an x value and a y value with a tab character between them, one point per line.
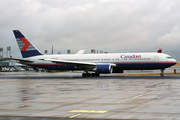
144	66
120	66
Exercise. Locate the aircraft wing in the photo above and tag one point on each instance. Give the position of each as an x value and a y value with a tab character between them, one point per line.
85	65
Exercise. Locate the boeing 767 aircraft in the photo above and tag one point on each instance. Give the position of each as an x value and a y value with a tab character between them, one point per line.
91	64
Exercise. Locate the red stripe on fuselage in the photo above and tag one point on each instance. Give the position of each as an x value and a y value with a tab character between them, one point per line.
26	44
43	64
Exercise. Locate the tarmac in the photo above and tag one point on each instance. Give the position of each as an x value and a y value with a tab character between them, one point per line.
67	95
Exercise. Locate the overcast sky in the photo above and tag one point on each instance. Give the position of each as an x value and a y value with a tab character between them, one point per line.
107	25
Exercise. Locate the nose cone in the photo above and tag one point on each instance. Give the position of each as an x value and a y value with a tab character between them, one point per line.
174	61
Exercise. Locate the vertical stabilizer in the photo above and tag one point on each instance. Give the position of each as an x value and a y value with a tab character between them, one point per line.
26	47
159	51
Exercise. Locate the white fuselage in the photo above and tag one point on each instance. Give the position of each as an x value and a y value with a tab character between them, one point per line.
125	61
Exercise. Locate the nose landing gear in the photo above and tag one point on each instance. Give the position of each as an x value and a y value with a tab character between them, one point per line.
162	73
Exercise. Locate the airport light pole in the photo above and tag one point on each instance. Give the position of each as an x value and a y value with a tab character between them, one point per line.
1	52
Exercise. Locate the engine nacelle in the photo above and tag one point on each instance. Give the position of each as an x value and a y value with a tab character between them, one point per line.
104	68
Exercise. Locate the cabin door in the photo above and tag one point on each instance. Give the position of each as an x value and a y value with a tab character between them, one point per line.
156	58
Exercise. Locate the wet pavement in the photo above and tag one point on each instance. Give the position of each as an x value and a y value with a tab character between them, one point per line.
68	95
33	118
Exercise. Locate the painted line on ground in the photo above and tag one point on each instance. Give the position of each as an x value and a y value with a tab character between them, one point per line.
74	116
86	111
89	111
142	95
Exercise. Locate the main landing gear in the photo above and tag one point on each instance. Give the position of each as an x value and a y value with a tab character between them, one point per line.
162	73
90	75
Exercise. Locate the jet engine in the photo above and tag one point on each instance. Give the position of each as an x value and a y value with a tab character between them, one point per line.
105	68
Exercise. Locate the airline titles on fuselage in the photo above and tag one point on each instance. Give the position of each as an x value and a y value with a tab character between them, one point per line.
130	56
133	57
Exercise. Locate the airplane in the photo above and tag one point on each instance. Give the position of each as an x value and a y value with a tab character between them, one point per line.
92	64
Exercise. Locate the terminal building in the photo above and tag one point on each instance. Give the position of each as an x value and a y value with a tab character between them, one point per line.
11	66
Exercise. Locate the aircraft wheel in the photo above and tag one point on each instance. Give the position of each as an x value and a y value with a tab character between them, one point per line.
84	75
97	74
88	75
161	74
93	75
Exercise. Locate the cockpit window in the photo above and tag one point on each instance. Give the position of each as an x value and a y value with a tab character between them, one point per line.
169	57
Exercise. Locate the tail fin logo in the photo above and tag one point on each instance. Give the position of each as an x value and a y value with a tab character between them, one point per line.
26	44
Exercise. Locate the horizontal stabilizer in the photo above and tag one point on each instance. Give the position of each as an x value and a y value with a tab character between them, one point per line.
19	60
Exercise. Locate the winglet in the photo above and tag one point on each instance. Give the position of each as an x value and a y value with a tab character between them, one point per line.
80	52
26	47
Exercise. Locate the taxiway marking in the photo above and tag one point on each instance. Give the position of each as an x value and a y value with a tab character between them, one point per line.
74	116
142	95
88	111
